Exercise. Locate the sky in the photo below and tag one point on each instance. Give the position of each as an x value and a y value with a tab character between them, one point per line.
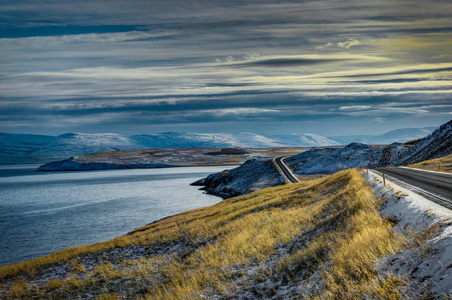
330	67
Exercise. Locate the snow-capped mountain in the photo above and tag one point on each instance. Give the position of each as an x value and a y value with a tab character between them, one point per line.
305	139
393	136
20	148
193	139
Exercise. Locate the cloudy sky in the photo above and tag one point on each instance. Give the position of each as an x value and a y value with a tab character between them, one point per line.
329	67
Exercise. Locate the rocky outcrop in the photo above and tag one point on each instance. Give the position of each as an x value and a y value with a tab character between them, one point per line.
437	144
250	176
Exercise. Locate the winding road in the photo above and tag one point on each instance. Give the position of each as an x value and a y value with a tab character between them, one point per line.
284	169
434	186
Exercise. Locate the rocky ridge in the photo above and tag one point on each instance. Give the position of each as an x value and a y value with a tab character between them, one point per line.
240	181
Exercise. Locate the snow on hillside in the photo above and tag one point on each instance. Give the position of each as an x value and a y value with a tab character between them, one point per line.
302	158
437	144
354	155
251	176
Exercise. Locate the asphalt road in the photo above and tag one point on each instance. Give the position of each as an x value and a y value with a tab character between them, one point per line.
282	167
433	186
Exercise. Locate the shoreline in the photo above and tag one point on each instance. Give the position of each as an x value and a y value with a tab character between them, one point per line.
179	198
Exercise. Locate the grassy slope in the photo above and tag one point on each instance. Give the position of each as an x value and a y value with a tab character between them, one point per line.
326	232
443	164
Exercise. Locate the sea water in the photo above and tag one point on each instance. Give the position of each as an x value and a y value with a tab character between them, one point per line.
44	212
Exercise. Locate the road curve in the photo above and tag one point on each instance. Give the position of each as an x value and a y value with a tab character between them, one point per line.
284	169
434	186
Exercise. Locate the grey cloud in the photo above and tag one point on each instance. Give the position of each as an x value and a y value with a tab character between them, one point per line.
283	62
86	62
413	71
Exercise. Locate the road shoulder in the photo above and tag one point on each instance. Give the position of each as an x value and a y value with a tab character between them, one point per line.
426	263
409	188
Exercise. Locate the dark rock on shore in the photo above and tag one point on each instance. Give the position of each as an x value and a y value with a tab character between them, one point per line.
253	175
72	165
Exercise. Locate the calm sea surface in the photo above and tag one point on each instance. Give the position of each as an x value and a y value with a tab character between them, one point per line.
44	212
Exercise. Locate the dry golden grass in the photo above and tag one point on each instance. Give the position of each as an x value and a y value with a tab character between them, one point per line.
239	232
443	164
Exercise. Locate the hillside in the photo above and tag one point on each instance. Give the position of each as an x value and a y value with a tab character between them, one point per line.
318	239
354	155
442	164
251	176
435	145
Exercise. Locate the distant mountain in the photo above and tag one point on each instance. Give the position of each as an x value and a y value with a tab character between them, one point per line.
22	148
193	139
393	136
305	140
26	148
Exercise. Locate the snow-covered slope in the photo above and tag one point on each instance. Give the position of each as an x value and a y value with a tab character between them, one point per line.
354	155
437	144
18	148
393	136
251	176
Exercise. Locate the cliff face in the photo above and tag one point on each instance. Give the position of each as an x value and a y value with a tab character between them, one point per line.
251	176
437	144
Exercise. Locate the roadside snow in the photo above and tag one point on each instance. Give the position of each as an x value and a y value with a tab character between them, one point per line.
427	264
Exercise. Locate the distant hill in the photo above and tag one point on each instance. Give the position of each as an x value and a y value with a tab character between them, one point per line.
27	148
24	148
393	136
